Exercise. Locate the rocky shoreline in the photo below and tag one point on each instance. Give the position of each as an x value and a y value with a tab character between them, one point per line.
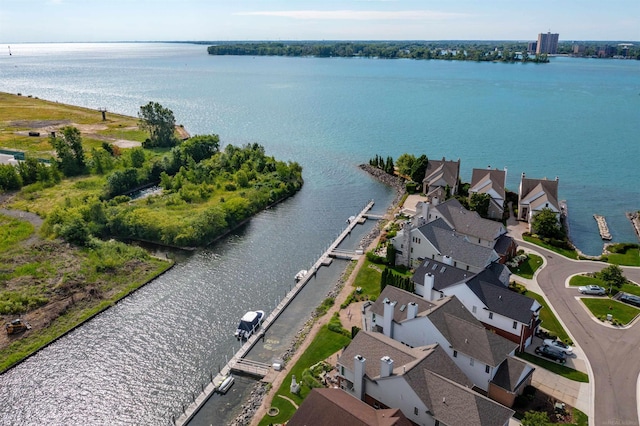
253	403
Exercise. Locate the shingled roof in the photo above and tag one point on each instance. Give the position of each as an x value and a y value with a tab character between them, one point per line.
501	300
442	170
509	375
450	243
467	335
485	180
468	222
537	192
336	407
444	275
402	298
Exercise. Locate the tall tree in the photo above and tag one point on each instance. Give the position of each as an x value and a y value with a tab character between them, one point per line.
160	123
545	223
69	151
419	169
480	203
404	163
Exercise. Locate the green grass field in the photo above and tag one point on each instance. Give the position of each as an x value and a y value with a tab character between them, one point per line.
554	367
528	267
571	254
620	311
549	320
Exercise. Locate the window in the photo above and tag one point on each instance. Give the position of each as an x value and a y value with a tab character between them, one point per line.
455	354
490	315
487	369
515	325
471	361
474	309
415	410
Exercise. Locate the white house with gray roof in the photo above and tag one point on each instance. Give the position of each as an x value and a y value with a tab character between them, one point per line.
486	295
422	382
536	195
477	351
493	183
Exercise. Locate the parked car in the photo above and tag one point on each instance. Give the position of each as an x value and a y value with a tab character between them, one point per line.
559	345
630	299
552	354
592	289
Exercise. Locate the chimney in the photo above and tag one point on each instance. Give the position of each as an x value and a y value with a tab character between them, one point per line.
386	366
425	211
412	310
359	363
429	281
387	326
446	259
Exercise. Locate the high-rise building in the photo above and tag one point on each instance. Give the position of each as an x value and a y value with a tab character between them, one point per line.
547	43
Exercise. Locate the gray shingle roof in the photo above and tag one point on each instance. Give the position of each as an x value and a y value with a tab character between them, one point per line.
509	373
467	335
499	299
447	242
403	298
455	408
469	222
442	169
444	275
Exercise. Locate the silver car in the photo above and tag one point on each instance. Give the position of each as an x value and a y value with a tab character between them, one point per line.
592	289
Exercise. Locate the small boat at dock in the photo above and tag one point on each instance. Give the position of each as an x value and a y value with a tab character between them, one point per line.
300	275
225	385
249	323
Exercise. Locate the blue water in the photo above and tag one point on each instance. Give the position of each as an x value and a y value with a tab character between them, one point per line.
140	361
578	119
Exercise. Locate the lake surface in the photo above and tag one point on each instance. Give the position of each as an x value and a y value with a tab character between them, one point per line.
139	362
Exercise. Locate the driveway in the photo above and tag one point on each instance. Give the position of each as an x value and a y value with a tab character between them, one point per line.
613	353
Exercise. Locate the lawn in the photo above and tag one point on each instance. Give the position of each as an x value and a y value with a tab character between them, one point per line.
368	279
554	367
571	254
583	280
325	343
601	307
630	258
549	320
528	267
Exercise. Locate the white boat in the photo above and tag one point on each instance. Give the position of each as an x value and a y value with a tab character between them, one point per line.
300	275
226	384
249	323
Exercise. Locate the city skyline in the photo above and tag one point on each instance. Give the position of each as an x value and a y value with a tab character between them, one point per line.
192	20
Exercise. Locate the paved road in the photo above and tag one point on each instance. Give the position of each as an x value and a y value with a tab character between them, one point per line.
614	354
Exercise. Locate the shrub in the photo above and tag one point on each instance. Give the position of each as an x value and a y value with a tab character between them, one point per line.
372	257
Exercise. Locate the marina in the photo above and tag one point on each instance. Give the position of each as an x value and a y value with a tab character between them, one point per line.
238	363
603	228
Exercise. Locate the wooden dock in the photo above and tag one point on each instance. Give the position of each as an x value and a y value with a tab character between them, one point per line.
602	227
238	363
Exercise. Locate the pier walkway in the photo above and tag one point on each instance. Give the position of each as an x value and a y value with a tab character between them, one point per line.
238	363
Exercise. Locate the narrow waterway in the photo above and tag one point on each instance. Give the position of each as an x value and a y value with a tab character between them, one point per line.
143	360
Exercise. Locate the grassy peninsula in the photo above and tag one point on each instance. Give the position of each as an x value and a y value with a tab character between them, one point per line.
65	208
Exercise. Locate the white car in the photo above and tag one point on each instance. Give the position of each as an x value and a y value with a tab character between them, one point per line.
558	345
592	289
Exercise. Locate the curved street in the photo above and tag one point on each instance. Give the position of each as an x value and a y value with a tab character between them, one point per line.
613	353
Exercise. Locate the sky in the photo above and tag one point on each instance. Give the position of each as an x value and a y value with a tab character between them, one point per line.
212	20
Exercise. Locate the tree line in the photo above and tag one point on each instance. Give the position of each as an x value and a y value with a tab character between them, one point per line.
458	50
206	191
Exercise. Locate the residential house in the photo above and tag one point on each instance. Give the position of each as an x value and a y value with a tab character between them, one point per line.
493	183
486	295
478	352
446	230
422	382
437	240
331	406
441	174
536	195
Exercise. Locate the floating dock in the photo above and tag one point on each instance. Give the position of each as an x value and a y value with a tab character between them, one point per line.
238	363
602	227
